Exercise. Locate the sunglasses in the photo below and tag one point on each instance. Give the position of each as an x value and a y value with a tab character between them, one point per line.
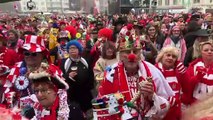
26	53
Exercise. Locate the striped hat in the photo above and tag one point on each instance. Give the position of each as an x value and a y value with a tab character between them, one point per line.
33	44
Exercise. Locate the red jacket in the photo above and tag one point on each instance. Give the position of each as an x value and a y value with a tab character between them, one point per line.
8	57
95	54
201	81
177	82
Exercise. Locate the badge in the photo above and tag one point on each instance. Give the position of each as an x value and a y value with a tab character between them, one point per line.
21	83
78	35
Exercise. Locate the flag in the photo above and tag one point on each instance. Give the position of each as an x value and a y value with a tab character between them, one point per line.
15	6
96	7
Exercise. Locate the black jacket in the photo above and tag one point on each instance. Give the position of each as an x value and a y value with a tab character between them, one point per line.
80	89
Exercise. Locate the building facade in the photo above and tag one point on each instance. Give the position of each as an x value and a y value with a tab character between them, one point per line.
33	6
174	6
28	6
203	5
59	6
185	5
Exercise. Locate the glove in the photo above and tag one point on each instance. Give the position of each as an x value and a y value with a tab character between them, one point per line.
173	100
180	68
201	71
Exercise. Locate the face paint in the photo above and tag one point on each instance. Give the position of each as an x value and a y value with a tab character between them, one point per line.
63	42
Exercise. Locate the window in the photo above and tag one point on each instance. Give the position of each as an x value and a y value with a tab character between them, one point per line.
175	2
166	2
125	2
160	2
196	1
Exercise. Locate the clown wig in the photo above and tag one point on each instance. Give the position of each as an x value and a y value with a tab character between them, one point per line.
105	32
75	43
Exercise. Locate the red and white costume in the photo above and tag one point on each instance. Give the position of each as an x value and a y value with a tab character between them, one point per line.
8	58
177	82
17	85
116	80
25	96
200	85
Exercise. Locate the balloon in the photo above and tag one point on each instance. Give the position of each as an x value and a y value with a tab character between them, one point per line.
23	70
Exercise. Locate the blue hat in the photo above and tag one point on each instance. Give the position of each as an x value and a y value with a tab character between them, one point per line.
55	25
75	43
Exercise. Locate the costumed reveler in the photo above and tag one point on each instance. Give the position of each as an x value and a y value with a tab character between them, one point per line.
60	51
132	88
200	71
18	91
79	76
50	90
175	74
8	57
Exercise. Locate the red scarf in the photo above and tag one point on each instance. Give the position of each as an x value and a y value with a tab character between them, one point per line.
176	87
123	85
53	111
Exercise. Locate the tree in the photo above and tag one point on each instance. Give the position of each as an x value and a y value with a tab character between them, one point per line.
5	1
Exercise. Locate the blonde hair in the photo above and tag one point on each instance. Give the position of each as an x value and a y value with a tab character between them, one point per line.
196	50
168	49
204	43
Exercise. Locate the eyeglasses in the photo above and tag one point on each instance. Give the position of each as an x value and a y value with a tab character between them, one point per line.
42	91
26	53
151	30
73	48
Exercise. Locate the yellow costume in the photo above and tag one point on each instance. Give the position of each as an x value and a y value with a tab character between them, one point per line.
53	41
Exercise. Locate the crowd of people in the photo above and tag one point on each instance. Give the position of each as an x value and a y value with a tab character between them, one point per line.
119	67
